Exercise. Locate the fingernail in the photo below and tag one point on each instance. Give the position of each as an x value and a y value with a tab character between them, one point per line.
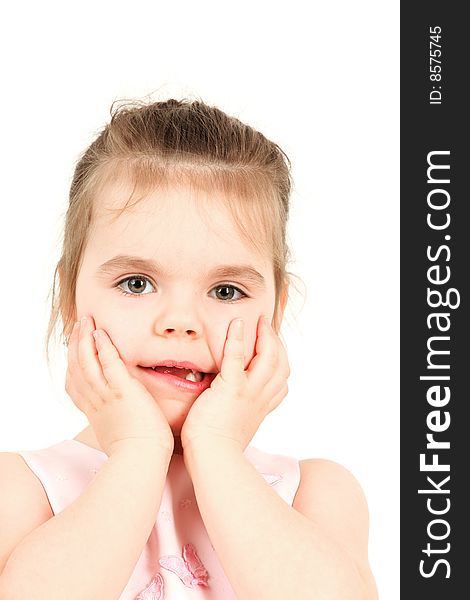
83	321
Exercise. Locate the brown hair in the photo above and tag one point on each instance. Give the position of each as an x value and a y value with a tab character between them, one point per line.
189	142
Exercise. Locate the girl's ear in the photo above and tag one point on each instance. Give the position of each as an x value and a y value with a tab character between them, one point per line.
279	312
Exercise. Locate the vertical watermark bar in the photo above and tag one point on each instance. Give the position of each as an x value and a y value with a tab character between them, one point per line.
435	314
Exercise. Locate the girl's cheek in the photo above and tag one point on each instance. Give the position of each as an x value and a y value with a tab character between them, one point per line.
122	339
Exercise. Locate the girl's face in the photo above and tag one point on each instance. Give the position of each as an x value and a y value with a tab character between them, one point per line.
193	276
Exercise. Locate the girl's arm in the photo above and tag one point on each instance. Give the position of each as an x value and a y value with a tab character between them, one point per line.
89	550
315	549
270	550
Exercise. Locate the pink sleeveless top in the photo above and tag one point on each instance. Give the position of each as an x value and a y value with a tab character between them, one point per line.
178	560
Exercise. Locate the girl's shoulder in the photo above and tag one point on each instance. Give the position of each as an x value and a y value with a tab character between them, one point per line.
330	496
23	503
323	478
21	489
328	490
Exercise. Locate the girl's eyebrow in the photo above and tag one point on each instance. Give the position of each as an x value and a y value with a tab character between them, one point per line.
123	262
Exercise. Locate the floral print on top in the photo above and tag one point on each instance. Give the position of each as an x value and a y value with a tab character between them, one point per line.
178	560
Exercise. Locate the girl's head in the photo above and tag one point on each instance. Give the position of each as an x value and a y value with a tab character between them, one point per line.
193	191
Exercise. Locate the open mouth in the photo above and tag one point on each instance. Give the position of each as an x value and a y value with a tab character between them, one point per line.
181	372
184	376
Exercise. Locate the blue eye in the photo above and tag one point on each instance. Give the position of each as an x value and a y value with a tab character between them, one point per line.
136	283
228	293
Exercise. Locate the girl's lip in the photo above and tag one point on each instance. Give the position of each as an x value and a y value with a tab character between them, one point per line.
175	363
183	384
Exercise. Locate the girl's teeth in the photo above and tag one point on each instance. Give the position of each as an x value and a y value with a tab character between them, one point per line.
194	376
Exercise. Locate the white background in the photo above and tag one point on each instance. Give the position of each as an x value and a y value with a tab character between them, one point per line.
320	79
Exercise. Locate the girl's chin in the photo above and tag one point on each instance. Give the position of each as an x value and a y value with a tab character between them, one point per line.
175	412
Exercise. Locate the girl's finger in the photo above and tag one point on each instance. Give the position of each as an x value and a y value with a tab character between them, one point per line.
266	359
73	368
279	397
265	335
88	358
233	361
76	385
114	370
72	355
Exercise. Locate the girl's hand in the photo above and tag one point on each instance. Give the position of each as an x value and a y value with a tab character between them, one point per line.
238	400
119	408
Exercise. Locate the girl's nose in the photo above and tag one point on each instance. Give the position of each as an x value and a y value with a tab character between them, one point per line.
177	314
179	331
177	322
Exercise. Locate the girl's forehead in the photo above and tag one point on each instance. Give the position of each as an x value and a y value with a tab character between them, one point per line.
178	219
164	210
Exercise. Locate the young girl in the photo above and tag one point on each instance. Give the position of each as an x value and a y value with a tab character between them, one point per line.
172	288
